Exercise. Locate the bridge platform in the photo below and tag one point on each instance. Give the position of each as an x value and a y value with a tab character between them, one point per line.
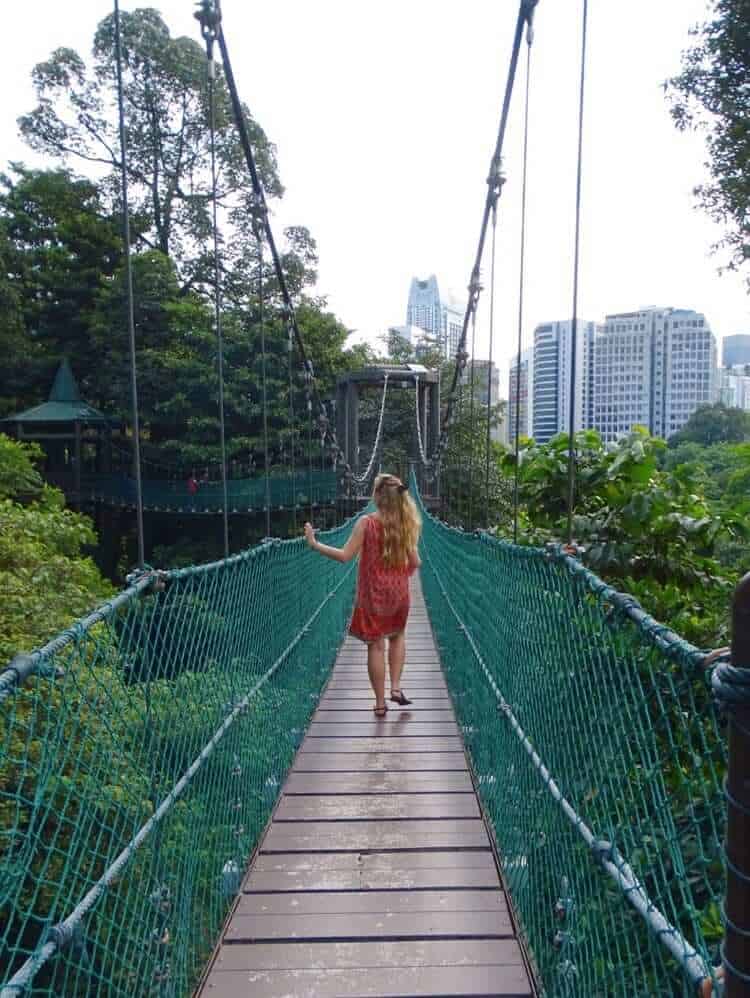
376	874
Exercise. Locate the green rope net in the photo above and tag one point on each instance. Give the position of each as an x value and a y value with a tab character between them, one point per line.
598	758
141	759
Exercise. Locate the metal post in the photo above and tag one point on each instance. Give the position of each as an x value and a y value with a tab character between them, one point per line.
737	940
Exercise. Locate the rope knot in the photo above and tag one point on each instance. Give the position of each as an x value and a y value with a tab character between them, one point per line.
730	685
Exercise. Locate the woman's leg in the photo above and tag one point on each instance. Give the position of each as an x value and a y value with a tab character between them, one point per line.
396	658
376	670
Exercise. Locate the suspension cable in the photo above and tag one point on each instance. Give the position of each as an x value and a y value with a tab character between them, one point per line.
574	324
129	285
217	289
209	16
471	419
489	370
495	182
258	231
517	428
361	479
290	350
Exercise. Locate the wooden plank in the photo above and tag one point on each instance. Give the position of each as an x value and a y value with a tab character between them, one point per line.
366	925
415	713
359	700
420	745
377	782
337	807
358	762
353	836
376	902
385	982
388	726
424	953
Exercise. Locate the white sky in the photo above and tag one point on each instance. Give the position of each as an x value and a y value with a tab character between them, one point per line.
385	117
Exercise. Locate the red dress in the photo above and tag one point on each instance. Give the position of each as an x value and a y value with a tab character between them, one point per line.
382	603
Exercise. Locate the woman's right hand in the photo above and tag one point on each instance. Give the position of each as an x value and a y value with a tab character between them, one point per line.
310	535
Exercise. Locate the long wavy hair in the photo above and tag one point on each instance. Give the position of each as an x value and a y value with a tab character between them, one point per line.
402	523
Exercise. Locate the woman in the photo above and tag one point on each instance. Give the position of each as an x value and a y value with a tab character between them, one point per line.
386	541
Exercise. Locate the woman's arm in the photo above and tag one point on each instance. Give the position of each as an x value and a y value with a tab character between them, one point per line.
350	550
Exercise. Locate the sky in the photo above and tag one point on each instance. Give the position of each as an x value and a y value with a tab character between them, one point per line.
385	116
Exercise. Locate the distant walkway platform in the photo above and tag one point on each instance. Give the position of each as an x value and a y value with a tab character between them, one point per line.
376	875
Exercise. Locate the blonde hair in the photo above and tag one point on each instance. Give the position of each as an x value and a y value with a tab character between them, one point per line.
402	523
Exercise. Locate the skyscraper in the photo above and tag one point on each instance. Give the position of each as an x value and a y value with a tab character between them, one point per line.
551	383
653	367
441	318
735	350
524	381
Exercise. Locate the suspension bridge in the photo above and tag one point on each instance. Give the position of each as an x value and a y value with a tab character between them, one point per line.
196	799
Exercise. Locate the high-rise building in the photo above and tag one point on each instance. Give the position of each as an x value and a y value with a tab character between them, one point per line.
653	368
551	382
442	319
734	386
523	382
735	350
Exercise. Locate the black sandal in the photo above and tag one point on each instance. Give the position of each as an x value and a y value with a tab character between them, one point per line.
380	711
400	699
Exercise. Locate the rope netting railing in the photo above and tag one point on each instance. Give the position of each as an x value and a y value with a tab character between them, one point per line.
243	494
142	751
599	760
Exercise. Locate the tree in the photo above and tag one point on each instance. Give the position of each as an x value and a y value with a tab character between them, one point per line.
712	94
714	424
167	119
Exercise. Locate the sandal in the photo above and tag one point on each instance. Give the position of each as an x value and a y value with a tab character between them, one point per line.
398	697
380	711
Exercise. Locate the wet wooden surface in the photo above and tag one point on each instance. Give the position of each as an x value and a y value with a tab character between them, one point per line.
376	875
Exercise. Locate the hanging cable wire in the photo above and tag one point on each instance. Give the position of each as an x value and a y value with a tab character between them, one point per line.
308	398
129	285
574	322
488	446
495	181
258	231
471	420
290	350
522	274
361	479
217	287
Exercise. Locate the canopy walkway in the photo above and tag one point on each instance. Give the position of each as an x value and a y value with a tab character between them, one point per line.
144	749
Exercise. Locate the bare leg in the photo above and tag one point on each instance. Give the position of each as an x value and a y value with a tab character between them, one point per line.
376	670
396	658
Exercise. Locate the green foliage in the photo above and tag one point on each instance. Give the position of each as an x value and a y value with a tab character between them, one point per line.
714	424
45	578
710	94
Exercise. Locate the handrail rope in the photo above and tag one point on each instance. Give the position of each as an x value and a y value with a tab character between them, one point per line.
521	283
63	932
209	16
576	255
495	182
608	856
361	479
129	283
211	68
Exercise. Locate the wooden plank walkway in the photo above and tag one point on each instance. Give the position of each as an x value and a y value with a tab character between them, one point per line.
375	875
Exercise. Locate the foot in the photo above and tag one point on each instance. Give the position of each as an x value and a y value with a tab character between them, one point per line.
398	697
380	711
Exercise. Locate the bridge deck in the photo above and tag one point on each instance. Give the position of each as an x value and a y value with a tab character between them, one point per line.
376	875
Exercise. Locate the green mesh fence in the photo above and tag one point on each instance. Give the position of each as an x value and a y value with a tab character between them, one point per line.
243	493
169	718
628	813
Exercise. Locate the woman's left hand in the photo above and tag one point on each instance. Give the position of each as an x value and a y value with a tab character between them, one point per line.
310	534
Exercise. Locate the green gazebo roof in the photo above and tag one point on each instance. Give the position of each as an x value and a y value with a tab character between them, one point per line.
64	404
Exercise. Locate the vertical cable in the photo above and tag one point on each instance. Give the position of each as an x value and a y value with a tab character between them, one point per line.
471	420
261	323
489	370
574	327
217	300
129	285
517	428
310	451
291	429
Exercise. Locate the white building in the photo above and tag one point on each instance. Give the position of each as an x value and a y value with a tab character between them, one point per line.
652	367
523	382
551	377
734	386
440	318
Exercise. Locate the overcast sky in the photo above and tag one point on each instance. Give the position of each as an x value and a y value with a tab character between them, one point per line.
385	116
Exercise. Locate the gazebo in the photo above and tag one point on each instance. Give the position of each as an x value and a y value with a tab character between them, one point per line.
74	435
